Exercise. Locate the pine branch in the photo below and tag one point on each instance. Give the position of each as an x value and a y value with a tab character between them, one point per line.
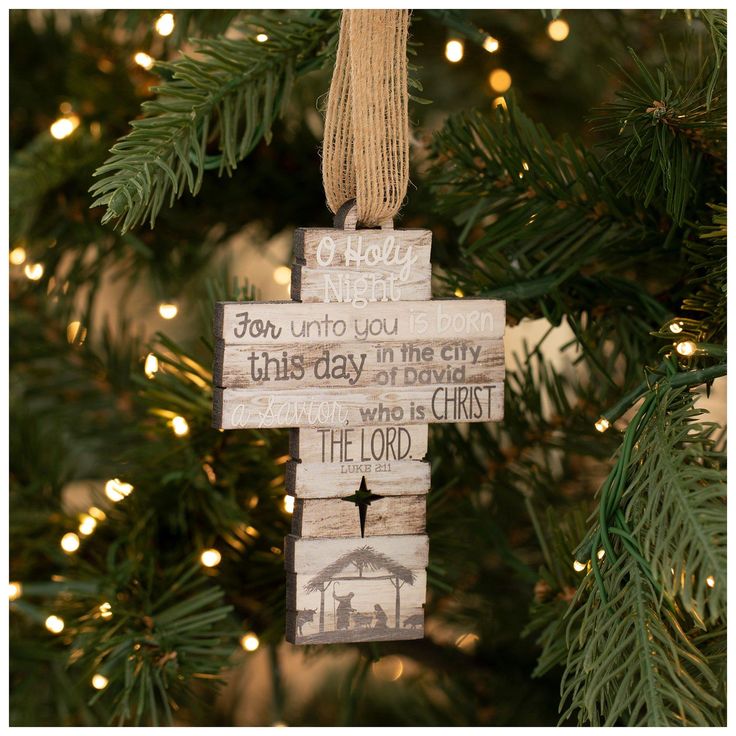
231	92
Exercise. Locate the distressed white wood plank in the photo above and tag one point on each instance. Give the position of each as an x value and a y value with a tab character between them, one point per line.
363	249
360	365
264	323
333	517
242	408
328	480
313	556
359	444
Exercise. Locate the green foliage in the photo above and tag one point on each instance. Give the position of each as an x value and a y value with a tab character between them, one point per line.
231	92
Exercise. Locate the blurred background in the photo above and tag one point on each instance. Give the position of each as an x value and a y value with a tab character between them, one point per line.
123	500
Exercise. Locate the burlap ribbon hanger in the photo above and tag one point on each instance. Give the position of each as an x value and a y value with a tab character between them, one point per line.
366	146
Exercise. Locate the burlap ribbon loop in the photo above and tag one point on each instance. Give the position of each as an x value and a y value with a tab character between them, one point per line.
366	146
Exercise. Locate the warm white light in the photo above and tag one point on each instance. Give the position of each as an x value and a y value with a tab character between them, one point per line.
686	348
249	642
116	489
151	366
55	624
601	554
210	558
261	38
33	271
491	45
15	591
676	328
99	682
165	24
710	581
87	525
18	256
388	668
75	332
459	293
500	80
454	51
144	60
180	426
289	504
467	642
96	513
602	424
500	102
105	610
558	30
70	542
168	310
282	275
578	566
64	127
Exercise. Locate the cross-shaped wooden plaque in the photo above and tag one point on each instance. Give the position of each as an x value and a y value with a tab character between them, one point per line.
358	365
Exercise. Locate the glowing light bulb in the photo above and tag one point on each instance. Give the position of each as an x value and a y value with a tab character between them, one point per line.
261	38
500	80
602	424
710	581
99	682
33	271
18	256
164	24
210	558
168	310
96	513
686	348
675	328
601	554
491	45
15	591
558	30
144	60
75	332
289	504
150	367
65	107
500	102
70	542
105	610
282	275
249	642
55	624
578	566
459	293
388	669
64	127
116	489
87	525
467	642
180	426
454	50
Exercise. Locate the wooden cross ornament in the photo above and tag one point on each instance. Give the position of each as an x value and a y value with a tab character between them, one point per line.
358	364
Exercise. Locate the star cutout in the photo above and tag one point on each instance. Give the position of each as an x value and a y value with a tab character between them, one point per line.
362	498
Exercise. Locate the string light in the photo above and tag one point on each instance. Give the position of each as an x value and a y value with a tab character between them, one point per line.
558	30
65	108
467	642
168	310
150	367
70	542
54	624
602	424
686	348
144	60
116	489
210	558
491	45
99	682
289	504
500	102
33	271
96	513
64	127
87	525
500	80
388	668
18	256
15	591
454	50
261	38
282	275
710	581
578	566
164	24
279	724
249	642
676	328
105	610
601	554
75	332
180	426
459	293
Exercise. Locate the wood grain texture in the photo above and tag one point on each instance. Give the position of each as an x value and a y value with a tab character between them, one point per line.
356	364
242	408
333	517
359	444
264	323
312	556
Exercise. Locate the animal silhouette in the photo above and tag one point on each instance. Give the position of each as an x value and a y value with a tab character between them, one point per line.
304	617
413	621
362	620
